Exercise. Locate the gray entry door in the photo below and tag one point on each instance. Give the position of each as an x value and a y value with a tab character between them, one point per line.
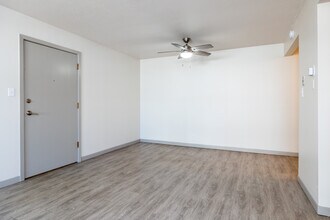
51	114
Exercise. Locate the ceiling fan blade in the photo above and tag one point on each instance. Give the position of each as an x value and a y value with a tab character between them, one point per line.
177	45
201	47
171	51
201	53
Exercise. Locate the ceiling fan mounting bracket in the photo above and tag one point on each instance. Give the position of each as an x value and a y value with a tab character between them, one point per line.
186	40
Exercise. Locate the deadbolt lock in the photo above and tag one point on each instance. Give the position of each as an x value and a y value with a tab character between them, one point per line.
28	101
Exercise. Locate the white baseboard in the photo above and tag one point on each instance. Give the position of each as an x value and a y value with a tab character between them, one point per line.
319	209
323	211
248	150
10	181
309	196
90	156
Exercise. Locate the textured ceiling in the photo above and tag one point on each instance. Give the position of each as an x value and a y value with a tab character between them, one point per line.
140	28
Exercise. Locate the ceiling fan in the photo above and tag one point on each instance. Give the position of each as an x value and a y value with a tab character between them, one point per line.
187	51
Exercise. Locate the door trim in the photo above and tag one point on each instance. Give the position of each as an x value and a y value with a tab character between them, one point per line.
22	96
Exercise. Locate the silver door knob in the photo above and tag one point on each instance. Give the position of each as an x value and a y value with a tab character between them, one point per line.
30	113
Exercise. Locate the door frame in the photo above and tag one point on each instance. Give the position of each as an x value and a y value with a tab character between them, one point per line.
22	39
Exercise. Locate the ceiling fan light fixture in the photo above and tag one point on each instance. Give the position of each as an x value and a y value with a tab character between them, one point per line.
186	51
186	54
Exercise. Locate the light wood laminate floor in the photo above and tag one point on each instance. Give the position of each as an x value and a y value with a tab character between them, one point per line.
150	181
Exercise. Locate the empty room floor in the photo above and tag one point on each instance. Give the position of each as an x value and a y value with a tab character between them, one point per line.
151	181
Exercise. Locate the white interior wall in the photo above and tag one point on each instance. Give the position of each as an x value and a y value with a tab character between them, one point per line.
111	118
109	90
306	27
324	103
242	98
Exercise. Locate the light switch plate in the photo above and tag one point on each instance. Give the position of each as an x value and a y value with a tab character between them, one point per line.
11	92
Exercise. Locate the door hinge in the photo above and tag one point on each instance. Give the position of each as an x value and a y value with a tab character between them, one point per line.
78	105
77	144
77	66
